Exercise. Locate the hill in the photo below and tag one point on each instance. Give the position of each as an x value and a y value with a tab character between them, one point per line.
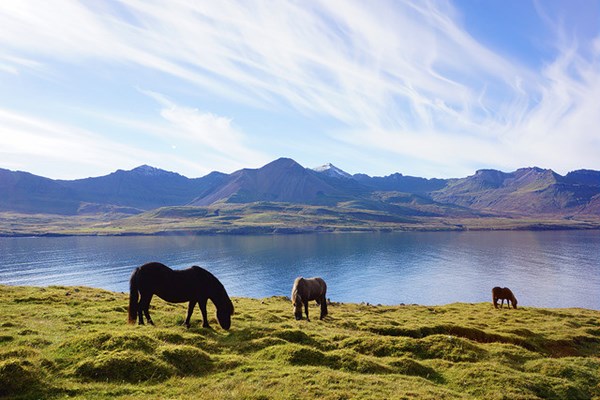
527	191
75	343
121	192
142	188
28	193
282	180
400	183
284	196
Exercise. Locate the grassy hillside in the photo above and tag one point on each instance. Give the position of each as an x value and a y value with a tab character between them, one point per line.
281	218
61	342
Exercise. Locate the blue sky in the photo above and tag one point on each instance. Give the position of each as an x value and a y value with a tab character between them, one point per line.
432	89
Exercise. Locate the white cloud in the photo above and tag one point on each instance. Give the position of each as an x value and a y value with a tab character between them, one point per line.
561	130
357	62
404	77
210	135
11	64
64	151
193	143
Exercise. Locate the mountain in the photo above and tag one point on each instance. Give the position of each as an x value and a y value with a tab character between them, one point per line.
343	181
283	180
584	177
332	171
28	193
400	183
524	192
125	192
144	188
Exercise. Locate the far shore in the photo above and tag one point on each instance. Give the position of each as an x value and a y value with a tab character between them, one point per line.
365	304
41	225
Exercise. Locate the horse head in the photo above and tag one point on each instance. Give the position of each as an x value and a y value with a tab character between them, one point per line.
224	313
297	303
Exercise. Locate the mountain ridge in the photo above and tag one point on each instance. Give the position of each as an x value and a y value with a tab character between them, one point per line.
282	180
527	191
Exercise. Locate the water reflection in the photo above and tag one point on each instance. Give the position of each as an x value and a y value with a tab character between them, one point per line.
546	269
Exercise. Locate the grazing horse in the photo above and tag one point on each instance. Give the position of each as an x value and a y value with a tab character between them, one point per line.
499	293
194	284
308	289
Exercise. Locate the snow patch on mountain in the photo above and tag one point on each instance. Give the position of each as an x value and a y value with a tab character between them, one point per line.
332	171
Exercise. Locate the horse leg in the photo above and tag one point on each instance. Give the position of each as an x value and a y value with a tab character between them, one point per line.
495	301
144	307
501	303
202	305
147	311
140	312
189	313
306	309
323	307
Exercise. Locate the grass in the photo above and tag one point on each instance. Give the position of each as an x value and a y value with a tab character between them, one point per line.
58	342
277	218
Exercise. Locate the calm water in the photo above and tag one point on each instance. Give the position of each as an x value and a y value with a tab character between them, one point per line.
544	269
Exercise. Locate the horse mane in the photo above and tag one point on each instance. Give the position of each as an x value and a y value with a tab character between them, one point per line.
219	293
295	288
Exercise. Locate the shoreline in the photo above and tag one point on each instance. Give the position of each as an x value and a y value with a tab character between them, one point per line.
272	231
366	305
185	222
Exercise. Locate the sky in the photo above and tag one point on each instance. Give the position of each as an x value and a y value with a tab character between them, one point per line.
424	88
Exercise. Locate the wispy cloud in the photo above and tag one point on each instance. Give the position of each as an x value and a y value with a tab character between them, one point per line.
76	151
12	64
212	136
398	77
192	144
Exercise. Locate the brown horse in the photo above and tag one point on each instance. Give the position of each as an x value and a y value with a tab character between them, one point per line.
499	293
194	284
308	289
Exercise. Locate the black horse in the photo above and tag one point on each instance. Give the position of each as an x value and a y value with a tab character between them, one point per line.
194	284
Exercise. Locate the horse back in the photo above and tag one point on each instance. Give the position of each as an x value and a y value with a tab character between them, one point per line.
151	275
314	288
502	293
175	286
322	284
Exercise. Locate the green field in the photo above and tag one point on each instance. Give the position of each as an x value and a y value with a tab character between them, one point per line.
273	218
66	342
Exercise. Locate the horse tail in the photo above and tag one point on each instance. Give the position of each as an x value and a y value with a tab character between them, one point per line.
133	296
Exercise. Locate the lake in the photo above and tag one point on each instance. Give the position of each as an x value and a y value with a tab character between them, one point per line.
544	269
